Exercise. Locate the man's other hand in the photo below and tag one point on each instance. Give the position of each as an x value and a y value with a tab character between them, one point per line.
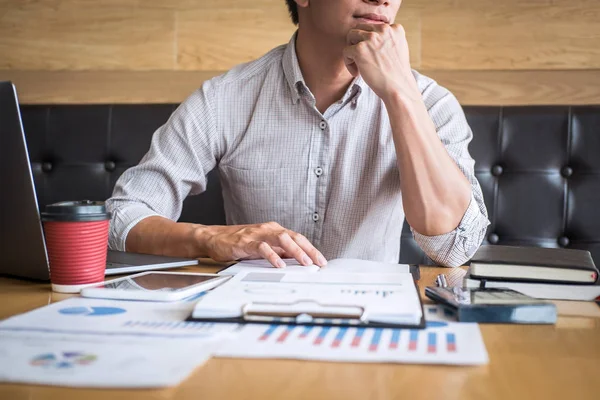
379	53
269	240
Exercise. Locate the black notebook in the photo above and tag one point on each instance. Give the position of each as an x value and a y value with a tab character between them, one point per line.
533	264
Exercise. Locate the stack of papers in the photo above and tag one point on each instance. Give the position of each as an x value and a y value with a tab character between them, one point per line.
82	342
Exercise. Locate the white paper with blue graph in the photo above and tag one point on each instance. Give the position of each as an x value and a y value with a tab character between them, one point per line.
114	317
106	343
81	360
442	342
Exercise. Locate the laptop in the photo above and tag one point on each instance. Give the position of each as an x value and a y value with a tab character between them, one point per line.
22	246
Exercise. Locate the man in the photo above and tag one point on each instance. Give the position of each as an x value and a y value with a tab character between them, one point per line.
324	146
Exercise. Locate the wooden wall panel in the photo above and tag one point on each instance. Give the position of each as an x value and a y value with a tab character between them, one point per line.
218	39
105	87
39	36
486	51
508	35
470	87
411	22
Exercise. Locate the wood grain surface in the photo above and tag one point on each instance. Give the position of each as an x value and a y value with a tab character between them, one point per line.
526	362
488	52
470	87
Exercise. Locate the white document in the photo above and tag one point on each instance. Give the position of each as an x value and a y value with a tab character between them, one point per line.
387	298
292	265
336	265
107	343
345	265
441	343
115	317
94	361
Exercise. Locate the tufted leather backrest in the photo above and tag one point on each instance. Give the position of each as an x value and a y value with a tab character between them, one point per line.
539	167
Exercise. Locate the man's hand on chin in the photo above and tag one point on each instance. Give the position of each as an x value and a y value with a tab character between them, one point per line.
379	53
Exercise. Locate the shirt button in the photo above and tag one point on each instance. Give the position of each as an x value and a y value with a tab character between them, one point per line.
322	125
318	171
315	217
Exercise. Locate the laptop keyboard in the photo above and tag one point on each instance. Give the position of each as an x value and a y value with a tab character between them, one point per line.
116	265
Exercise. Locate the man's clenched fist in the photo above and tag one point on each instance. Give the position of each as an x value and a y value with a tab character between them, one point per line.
379	53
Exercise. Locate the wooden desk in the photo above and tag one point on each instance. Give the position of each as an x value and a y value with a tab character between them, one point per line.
526	362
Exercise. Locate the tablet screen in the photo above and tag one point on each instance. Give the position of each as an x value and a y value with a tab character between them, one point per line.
157	282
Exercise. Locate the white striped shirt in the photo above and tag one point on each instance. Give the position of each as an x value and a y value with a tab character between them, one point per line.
332	177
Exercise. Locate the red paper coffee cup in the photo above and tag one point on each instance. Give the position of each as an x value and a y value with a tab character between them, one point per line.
76	235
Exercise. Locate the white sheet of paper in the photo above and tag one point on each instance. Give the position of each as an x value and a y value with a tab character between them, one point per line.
107	343
441	343
365	266
115	317
77	360
292	265
336	265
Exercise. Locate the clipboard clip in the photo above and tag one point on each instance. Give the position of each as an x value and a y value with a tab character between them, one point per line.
303	312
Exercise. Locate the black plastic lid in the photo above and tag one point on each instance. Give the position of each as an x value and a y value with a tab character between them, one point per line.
79	211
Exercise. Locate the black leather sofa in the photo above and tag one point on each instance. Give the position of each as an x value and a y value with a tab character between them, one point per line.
539	167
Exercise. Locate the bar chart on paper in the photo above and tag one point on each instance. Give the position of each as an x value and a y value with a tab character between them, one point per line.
440	343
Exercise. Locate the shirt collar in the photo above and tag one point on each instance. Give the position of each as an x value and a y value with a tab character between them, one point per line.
291	69
295	80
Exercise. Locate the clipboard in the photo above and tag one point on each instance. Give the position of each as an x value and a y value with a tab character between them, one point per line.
330	314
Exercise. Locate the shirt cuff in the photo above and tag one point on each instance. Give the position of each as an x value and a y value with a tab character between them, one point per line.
454	248
122	220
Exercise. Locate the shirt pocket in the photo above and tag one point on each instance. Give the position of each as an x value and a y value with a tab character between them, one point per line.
254	196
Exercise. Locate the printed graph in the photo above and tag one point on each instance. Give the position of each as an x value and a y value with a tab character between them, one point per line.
367	339
451	342
357	337
440	342
62	360
171	325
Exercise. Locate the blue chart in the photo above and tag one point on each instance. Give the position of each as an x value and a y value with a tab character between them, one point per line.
62	360
369	339
92	311
439	343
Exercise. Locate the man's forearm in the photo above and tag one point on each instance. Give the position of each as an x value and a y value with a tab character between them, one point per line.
435	192
158	235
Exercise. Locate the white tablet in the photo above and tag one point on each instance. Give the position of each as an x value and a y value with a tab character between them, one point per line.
155	286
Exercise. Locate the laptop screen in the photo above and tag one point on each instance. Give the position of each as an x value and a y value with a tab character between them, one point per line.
22	244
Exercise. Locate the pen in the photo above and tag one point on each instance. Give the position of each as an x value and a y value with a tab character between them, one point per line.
441	280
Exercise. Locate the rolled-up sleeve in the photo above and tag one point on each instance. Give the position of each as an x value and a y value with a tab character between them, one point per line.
454	248
181	153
